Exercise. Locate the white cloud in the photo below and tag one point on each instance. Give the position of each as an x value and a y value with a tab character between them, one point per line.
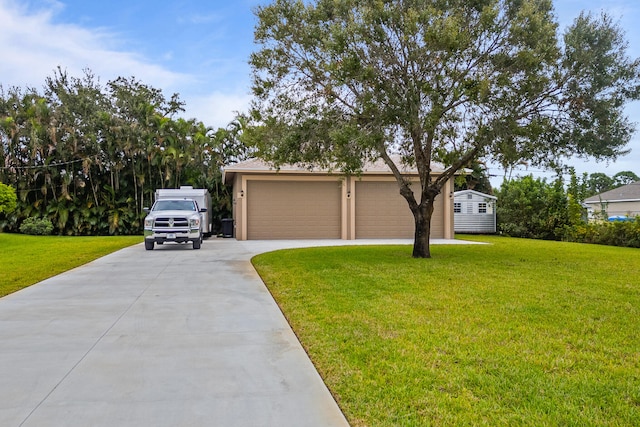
216	109
33	46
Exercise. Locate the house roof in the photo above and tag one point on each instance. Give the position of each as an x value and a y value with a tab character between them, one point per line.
371	168
626	193
477	193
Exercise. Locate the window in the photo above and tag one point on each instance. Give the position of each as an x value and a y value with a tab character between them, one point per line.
482	208
457	207
174	205
469	196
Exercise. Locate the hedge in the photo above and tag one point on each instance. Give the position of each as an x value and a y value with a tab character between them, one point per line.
626	234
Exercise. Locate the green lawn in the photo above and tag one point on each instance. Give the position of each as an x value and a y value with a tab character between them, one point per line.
519	332
25	260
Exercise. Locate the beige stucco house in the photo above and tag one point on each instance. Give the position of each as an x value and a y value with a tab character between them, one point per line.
620	202
296	203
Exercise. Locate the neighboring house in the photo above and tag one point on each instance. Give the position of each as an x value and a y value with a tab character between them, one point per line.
297	203
620	202
474	212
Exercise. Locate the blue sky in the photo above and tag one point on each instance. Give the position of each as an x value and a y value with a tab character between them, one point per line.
197	48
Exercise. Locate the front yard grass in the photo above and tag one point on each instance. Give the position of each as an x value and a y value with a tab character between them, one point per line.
518	332
25	260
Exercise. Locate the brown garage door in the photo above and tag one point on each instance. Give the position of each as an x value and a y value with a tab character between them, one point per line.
382	213
293	210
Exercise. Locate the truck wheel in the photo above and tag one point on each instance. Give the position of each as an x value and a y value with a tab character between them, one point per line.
148	245
197	243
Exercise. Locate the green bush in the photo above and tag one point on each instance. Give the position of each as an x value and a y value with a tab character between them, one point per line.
532	208
626	234
8	199
36	226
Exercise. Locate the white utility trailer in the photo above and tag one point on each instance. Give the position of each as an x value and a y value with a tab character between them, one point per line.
201	197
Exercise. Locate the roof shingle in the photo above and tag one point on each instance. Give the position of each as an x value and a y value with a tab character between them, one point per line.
377	167
626	192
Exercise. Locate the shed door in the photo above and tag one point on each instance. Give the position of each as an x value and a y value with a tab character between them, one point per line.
293	210
382	213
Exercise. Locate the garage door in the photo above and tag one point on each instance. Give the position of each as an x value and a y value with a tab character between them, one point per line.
293	210
382	213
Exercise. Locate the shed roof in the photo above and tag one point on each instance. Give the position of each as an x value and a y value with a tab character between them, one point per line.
477	193
371	168
626	193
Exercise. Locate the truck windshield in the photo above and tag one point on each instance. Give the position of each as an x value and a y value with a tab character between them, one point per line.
174	205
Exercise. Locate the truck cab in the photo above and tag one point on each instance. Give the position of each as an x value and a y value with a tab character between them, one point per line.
178	220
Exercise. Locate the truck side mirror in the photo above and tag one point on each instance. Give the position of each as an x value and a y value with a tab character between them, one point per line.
203	210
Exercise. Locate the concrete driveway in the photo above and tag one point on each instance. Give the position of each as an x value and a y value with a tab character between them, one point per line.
169	337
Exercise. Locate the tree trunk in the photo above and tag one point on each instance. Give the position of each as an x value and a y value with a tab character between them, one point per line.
422	216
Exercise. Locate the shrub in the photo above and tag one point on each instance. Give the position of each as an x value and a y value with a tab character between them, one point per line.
36	226
532	208
8	199
626	234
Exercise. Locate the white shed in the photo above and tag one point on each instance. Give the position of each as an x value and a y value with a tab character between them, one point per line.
474	212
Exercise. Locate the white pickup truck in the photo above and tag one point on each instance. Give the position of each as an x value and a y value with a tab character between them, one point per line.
200	195
173	220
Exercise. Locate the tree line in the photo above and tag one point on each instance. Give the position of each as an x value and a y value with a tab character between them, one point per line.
534	208
89	157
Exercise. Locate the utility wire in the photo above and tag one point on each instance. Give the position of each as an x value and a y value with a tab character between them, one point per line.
46	166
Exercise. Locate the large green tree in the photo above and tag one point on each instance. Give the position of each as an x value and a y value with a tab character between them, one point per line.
625	177
598	182
339	82
90	157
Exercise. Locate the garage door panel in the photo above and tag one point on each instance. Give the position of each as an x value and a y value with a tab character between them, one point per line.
293	210
382	213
